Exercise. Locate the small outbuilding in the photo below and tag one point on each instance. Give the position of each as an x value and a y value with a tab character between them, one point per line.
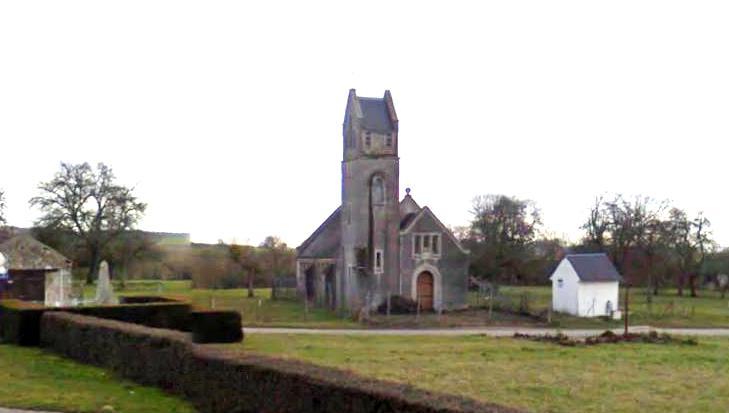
586	285
34	271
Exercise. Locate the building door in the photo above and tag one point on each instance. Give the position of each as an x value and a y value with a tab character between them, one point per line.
425	290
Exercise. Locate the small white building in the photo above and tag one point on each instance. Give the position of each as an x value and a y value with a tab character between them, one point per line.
586	285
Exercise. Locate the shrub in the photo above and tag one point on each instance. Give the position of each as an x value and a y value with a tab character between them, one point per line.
399	305
210	326
220	381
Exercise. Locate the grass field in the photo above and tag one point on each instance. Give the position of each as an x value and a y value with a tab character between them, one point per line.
33	379
258	311
538	376
666	310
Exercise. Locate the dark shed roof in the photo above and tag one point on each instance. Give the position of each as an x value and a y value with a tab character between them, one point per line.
594	267
27	253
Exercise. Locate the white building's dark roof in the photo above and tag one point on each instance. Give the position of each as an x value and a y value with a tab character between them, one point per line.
594	267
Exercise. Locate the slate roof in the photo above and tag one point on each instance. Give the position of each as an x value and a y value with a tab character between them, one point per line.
27	253
407	219
408	223
375	116
326	240
594	267
408	205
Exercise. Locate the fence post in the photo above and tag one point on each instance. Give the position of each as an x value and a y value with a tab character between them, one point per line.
549	313
306	308
491	303
627	308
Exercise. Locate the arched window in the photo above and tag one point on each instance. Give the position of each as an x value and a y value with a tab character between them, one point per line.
378	190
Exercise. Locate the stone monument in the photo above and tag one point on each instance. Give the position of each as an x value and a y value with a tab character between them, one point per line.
59	289
104	290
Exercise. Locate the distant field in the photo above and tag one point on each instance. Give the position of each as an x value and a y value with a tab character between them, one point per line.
537	376
33	379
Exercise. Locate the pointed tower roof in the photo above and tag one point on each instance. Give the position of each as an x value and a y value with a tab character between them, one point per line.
372	114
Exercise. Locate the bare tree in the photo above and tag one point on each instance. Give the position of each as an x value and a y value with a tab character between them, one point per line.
621	227
690	240
88	202
596	226
245	258
127	247
277	259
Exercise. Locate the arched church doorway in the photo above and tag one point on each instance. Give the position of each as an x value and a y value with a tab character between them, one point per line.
425	290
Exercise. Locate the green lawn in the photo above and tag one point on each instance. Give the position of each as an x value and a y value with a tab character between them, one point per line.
33	379
258	311
538	376
666	309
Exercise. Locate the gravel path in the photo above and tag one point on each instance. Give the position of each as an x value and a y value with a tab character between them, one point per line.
6	410
488	331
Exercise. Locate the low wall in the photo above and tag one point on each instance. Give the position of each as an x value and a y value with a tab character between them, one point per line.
216	381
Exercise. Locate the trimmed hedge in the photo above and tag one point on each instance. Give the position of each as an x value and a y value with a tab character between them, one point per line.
171	315
20	320
146	299
220	381
210	326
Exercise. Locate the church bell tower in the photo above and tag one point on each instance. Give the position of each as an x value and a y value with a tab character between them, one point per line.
370	209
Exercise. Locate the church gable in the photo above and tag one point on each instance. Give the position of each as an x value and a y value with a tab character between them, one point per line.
426	222
326	240
408	206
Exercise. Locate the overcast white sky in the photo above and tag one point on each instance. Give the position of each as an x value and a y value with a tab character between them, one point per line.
226	116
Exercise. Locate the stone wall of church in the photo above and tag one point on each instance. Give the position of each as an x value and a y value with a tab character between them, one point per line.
452	264
356	177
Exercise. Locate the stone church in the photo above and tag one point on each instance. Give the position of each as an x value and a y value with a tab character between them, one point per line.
374	244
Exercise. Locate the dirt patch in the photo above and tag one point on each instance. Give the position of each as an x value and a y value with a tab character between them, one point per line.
608	337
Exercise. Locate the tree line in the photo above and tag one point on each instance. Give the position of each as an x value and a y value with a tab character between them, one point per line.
653	243
89	217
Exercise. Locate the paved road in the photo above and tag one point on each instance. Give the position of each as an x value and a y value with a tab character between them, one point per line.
488	331
6	410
